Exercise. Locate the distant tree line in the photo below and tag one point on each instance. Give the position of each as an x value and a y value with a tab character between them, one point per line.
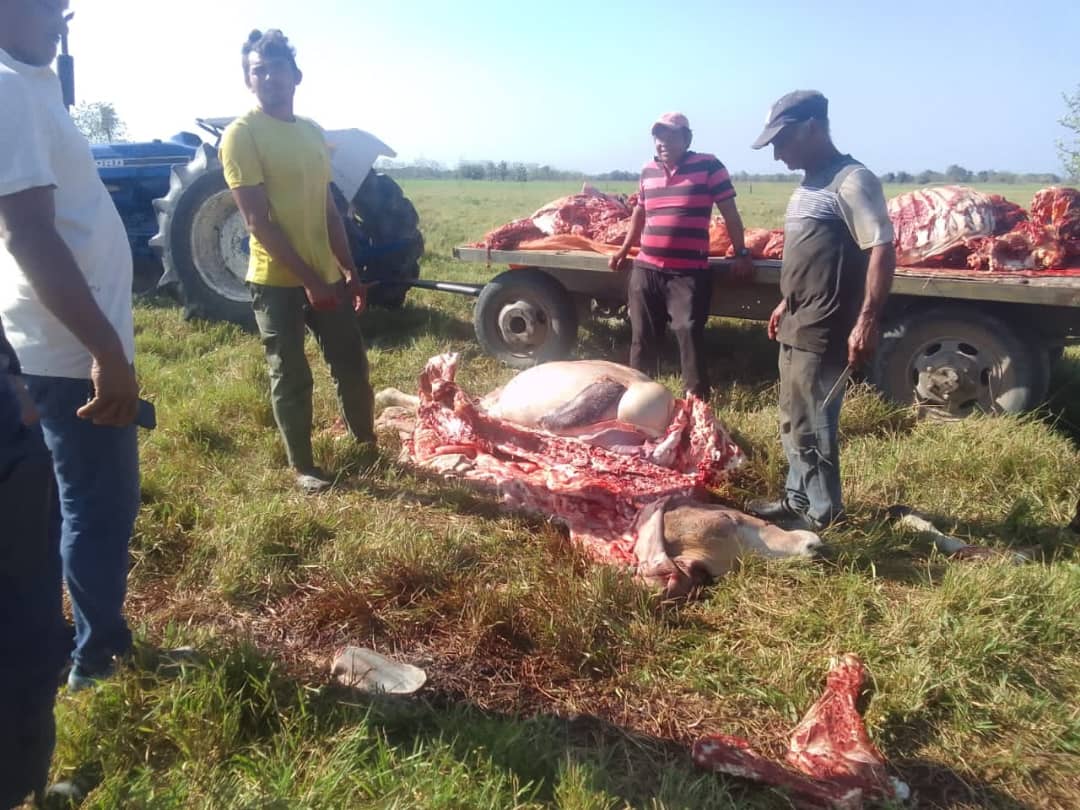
505	171
958	174
502	170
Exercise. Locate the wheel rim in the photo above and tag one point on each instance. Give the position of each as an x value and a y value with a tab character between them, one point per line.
955	377
220	247
524	327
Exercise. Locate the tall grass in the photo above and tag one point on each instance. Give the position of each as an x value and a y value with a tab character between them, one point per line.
554	683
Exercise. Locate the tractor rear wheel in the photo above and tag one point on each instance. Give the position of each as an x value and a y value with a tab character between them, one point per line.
385	239
203	242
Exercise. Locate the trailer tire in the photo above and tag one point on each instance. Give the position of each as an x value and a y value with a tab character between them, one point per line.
525	317
955	361
202	241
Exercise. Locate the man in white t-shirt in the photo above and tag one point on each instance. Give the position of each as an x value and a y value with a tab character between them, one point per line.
65	304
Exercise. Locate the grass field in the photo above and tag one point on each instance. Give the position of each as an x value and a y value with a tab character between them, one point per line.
552	682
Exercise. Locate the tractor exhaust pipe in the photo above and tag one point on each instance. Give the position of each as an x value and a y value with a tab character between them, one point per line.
65	67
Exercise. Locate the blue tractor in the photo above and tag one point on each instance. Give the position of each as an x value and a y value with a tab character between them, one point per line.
136	174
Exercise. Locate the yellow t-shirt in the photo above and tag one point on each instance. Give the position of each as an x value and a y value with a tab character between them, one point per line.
292	162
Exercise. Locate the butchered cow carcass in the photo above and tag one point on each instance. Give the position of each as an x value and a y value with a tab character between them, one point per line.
601	449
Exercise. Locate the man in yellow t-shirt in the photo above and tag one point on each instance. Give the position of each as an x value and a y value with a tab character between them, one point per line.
301	271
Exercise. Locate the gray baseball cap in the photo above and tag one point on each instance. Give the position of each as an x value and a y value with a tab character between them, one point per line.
791	109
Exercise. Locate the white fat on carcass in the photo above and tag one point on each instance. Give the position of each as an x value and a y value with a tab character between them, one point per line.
538	391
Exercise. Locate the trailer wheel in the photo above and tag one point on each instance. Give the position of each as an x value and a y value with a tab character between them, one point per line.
956	361
525	317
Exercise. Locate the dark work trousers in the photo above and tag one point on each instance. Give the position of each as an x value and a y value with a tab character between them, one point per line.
808	432
681	297
282	313
34	639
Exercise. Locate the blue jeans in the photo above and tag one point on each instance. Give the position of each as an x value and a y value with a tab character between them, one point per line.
809	434
97	477
34	639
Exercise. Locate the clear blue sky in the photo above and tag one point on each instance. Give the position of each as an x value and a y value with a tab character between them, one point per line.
912	85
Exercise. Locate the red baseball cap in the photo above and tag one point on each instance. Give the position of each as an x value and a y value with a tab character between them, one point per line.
672	120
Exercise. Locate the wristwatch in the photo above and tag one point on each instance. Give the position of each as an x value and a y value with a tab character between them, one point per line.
742	252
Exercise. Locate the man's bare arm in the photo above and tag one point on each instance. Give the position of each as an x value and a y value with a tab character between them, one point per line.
28	227
339	239
255	207
730	212
879	277
633	237
339	243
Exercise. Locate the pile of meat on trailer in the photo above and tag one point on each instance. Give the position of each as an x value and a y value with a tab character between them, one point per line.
947	227
958	227
594	220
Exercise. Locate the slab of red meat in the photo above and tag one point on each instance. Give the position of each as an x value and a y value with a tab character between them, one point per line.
1059	208
510	235
837	763
615	233
831	742
1007	215
930	222
757	240
1028	246
595	492
774	248
591	213
587	214
719	238
734	756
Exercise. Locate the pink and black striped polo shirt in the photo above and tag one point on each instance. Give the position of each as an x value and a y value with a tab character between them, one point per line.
678	207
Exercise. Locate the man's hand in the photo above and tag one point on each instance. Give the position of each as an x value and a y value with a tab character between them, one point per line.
116	393
742	268
323	296
775	318
357	290
863	341
617	262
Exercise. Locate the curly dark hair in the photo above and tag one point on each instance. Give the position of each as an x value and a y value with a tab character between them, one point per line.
269	45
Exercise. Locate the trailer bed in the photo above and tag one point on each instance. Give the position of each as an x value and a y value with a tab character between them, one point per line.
591	276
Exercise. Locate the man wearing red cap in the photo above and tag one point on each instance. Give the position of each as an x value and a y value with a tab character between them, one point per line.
671	278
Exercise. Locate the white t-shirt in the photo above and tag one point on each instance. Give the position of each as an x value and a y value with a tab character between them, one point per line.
41	146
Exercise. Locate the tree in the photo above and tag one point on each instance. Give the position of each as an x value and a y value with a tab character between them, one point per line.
503	170
1069	149
957	174
99	122
471	171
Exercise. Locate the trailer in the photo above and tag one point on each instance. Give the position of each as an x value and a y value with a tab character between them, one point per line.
953	342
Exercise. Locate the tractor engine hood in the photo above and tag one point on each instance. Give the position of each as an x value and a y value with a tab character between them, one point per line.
353	153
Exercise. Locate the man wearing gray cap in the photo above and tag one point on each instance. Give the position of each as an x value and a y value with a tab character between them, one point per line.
836	275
